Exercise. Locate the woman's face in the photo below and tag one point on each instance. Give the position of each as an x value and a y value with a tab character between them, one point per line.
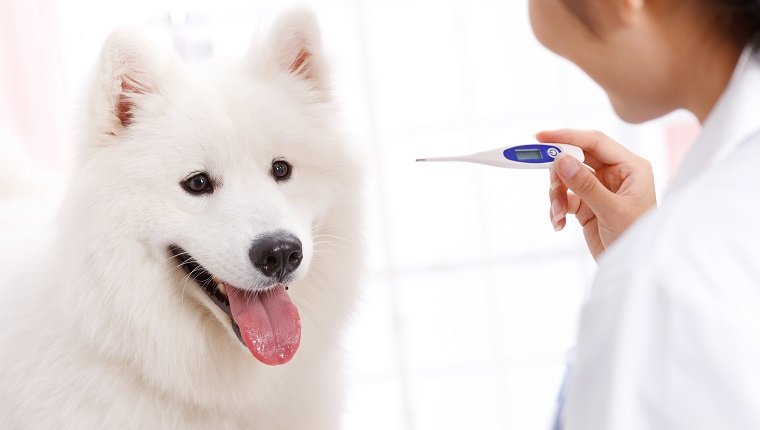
618	44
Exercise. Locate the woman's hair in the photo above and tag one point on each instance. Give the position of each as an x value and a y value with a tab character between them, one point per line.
744	17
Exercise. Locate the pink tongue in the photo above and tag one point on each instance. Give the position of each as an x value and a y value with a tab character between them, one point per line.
269	323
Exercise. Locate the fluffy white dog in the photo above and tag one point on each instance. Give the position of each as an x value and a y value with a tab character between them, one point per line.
210	232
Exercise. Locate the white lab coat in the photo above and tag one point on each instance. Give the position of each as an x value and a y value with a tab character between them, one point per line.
670	335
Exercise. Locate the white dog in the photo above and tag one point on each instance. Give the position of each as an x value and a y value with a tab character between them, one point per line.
210	231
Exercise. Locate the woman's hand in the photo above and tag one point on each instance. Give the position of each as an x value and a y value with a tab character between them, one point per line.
605	200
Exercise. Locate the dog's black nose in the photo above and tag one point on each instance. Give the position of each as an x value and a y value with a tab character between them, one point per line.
276	255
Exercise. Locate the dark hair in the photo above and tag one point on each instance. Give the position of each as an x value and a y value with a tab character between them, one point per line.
745	6
744	17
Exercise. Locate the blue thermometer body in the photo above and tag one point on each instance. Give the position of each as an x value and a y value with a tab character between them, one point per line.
531	156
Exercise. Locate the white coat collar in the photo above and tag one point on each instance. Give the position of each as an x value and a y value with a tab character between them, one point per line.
733	120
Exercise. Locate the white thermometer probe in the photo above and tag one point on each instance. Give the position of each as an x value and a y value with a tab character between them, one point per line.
532	156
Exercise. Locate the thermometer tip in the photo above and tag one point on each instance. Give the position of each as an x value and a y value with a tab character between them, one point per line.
421	159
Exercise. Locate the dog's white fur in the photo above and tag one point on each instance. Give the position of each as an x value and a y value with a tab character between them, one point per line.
100	329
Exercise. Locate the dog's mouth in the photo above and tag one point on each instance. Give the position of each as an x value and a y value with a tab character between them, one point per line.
266	322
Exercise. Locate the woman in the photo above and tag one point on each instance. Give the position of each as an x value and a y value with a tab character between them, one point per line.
670	335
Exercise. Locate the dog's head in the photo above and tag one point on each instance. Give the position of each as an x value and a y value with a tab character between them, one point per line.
225	174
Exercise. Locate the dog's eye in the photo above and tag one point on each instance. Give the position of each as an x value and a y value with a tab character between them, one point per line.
281	170
198	184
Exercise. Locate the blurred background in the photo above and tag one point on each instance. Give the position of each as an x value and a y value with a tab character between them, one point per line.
472	299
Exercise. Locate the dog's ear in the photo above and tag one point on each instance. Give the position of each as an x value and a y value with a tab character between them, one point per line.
129	71
293	48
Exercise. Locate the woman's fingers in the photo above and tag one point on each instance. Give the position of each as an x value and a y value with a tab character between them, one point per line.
606	194
592	162
565	203
592	142
559	224
558	201
581	181
573	204
582	211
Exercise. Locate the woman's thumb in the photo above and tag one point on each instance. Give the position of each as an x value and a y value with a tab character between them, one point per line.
583	183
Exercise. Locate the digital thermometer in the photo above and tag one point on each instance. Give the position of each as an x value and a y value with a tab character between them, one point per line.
532	156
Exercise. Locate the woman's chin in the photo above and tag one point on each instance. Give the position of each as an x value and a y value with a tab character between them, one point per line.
637	114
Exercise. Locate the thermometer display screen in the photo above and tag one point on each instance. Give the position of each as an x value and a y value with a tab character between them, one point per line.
528	154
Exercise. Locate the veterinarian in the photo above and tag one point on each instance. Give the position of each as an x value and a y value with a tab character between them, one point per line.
670	335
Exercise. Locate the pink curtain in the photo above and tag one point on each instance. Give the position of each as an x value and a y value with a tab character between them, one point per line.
32	105
679	137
